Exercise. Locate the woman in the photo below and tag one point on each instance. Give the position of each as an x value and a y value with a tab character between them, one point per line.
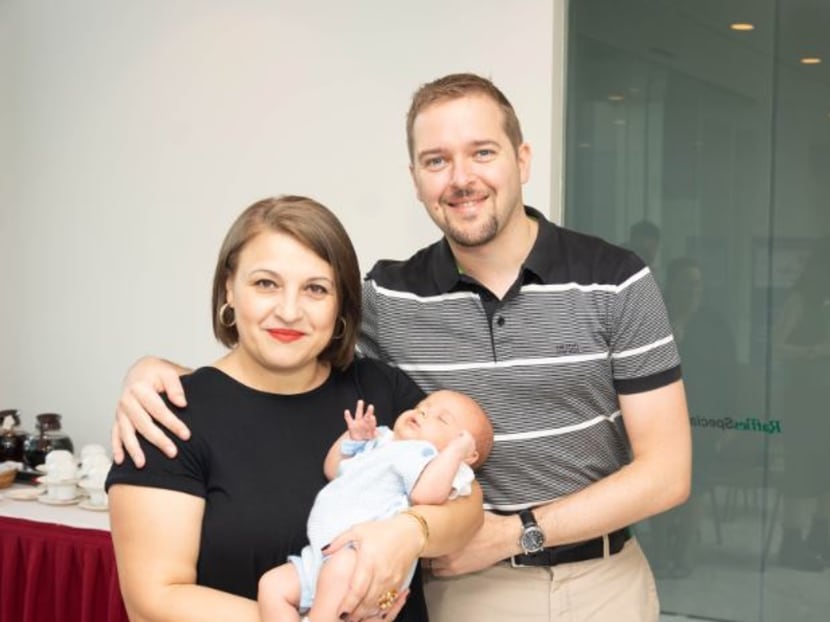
193	535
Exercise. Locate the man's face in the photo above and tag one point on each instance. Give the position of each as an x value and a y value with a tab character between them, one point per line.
466	172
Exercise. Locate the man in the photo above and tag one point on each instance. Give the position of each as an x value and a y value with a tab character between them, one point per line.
644	239
562	338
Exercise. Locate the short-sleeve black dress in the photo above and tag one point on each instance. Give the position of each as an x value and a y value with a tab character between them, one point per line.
257	460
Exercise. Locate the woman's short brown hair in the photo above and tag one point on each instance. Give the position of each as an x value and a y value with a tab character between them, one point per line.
316	227
455	86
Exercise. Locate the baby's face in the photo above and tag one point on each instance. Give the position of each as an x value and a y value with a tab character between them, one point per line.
438	418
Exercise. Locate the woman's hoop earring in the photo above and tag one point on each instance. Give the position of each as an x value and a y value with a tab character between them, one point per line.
223	311
342	332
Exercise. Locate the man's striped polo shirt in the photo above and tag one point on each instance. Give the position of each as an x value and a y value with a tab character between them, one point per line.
583	322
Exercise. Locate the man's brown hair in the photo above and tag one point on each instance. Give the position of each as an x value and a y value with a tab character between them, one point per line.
458	85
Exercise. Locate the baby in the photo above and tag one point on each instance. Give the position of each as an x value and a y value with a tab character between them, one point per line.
427	458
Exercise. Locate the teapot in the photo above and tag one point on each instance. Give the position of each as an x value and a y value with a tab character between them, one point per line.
49	436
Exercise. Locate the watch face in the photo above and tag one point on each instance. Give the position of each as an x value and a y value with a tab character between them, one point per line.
533	539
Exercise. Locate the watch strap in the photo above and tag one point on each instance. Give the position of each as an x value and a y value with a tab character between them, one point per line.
527	518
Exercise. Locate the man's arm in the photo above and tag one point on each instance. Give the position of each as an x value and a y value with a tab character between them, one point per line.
140	407
657	479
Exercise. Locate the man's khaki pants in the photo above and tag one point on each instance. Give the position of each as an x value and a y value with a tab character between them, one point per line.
617	588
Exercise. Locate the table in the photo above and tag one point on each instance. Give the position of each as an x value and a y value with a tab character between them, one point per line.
56	564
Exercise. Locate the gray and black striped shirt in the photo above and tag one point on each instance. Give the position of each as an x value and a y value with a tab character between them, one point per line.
583	322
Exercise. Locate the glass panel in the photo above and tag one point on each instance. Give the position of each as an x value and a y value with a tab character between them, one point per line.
707	151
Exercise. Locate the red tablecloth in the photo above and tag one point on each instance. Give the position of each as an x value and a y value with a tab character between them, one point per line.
54	573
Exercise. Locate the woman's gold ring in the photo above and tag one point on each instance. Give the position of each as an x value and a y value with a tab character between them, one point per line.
386	599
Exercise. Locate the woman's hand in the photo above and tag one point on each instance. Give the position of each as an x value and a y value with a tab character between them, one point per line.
140	404
389	614
386	550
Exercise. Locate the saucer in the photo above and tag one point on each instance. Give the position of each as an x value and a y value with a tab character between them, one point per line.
84	483
42	468
24	494
86	505
50	501
46	480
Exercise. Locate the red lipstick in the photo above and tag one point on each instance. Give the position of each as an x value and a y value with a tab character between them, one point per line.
284	334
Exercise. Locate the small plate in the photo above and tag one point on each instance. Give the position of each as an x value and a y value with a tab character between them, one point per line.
42	468
50	501
84	483
86	505
24	494
46	480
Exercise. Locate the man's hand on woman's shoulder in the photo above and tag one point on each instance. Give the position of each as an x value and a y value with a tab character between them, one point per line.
141	410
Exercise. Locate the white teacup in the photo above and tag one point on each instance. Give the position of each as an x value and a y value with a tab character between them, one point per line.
93	449
95	461
60	466
98	497
61	475
95	481
59	456
61	491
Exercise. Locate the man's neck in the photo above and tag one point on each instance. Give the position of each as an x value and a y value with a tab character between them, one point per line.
497	263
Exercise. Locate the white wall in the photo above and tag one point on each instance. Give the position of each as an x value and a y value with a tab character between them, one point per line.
132	133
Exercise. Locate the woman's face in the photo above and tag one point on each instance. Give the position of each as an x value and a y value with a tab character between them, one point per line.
285	304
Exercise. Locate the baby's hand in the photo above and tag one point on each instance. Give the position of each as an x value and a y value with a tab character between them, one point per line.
363	425
464	443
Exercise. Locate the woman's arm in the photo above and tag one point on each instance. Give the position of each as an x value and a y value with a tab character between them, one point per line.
451	525
156	535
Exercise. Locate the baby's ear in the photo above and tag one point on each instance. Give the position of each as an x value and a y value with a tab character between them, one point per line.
472	458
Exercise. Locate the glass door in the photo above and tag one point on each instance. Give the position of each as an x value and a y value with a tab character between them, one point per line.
698	134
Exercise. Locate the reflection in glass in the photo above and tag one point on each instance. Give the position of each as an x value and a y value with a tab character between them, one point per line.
802	347
720	140
707	350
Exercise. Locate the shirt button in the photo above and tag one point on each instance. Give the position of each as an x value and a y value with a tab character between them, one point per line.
500	320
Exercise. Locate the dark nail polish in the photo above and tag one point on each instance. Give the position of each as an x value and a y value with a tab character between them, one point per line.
344	615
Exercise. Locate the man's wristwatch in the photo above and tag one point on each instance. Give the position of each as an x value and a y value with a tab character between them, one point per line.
532	539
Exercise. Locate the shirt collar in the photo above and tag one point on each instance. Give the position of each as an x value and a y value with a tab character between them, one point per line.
448	277
541	258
